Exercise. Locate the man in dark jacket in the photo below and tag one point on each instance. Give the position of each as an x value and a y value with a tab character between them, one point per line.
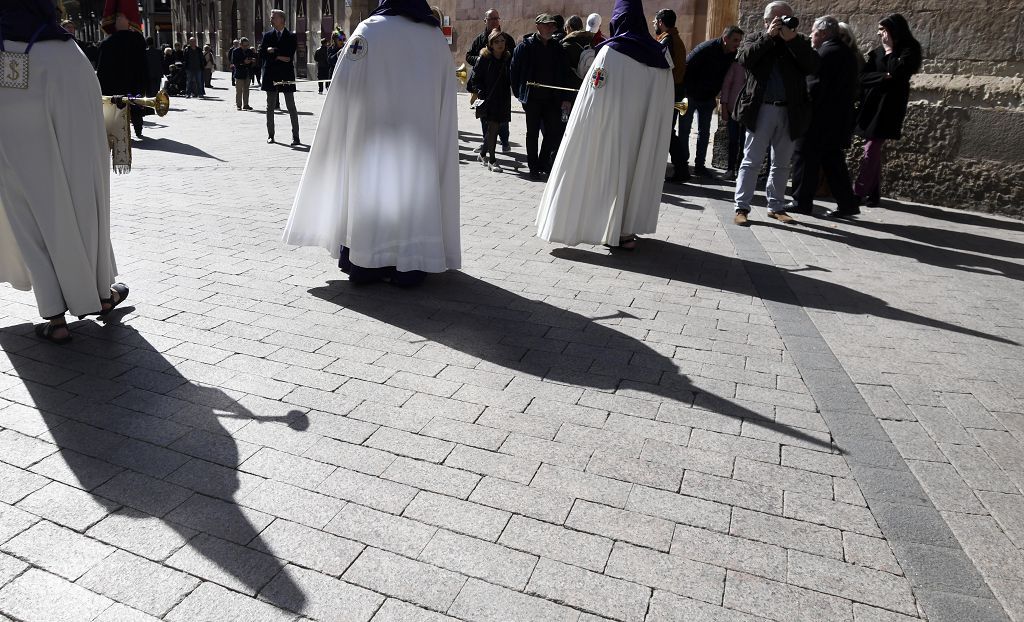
833	90
578	43
194	63
322	66
492	21
155	67
774	106
277	50
121	67
667	34
243	59
540	59
706	66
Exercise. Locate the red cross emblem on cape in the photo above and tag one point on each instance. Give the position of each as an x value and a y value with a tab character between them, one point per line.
598	77
357	48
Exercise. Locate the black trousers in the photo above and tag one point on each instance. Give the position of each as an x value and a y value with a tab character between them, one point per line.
543	113
289	101
137	112
812	157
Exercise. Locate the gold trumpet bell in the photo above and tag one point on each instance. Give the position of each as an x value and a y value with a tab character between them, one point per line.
161	103
462	74
682	106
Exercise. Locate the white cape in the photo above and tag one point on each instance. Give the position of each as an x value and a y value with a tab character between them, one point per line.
382	176
608	176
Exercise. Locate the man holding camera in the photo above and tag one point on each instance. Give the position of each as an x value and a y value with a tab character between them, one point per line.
774	106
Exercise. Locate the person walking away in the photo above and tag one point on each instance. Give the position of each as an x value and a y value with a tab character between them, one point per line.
122	68
886	91
244	61
606	185
540	59
194	70
55	185
774	106
832	89
277	51
400	223
322	66
731	87
667	34
490	82
706	67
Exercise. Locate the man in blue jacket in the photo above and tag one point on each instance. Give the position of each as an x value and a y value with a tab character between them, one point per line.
541	59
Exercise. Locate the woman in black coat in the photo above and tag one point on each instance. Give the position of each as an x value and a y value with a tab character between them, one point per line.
491	83
885	80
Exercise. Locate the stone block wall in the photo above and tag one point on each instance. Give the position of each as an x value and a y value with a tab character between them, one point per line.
963	143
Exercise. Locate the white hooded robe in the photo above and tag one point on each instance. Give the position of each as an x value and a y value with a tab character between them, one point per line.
382	176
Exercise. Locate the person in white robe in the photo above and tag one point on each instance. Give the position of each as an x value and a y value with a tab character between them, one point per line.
54	173
380	190
606	184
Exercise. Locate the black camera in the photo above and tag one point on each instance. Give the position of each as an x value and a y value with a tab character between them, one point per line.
789	21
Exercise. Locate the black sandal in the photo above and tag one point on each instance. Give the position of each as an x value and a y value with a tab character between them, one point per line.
45	331
623	241
122	293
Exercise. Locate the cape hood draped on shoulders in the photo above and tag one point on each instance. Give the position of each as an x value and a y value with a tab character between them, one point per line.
630	36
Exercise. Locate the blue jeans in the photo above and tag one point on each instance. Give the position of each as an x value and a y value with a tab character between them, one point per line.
194	83
705	110
772	133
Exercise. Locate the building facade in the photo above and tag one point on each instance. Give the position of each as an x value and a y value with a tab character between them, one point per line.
963	143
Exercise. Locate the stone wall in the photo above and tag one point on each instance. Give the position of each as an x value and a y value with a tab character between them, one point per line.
518	17
963	143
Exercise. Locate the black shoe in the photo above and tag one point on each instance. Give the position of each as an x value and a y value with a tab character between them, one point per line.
704	172
270	140
536	175
295	142
842	213
678	179
796	209
246	107
874	201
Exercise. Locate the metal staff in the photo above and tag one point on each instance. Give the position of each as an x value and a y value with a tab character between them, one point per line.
681	106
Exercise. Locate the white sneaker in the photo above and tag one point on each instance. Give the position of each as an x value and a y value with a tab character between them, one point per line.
495	167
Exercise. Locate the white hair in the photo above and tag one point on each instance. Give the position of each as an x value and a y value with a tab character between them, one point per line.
274	12
593	22
778	4
828	23
848	36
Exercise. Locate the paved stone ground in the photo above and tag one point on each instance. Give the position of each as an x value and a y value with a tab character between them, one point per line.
814	422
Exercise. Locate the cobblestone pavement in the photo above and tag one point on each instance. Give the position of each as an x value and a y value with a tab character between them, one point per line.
813	422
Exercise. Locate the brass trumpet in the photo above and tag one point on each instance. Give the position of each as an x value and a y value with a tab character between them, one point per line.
682	106
462	74
161	103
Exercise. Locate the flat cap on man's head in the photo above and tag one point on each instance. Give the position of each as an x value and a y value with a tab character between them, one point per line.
545	18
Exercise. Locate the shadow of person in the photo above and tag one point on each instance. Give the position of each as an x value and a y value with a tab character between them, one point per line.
951	215
135	433
947	238
173	146
534	338
924	253
666	260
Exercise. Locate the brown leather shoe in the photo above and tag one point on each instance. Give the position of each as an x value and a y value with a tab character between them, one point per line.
741	219
782	217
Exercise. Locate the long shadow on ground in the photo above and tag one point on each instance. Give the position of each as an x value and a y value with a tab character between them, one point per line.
534	338
679	263
125	422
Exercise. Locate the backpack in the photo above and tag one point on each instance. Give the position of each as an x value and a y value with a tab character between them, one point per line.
586	60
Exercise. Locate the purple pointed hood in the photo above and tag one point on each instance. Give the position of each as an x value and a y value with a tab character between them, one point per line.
416	10
629	35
